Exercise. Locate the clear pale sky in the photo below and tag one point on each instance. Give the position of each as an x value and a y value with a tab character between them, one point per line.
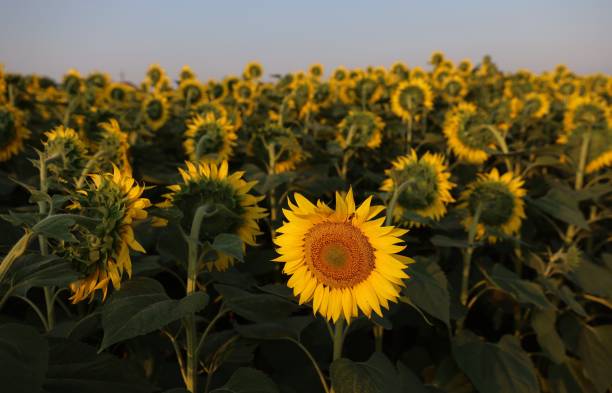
218	37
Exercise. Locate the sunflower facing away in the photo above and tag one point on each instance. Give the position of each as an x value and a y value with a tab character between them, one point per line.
531	106
467	133
344	260
426	189
236	210
192	91
454	88
287	148
500	199
115	146
253	70
117	93
102	253
410	98
12	131
65	144
209	138
360	129
155	111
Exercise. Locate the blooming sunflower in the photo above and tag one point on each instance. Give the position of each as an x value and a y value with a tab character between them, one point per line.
192	91
316	71
210	138
244	91
97	80
500	201
118	93
103	251
236	210
65	144
531	106
467	134
155	111
344	260
12	131
340	74
72	82
253	71
411	97
453	88
465	66
155	74
360	129
426	189
566	88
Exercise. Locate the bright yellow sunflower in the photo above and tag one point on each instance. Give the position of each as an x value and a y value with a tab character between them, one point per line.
360	129
411	98
253	71
192	91
155	110
531	106
236	212
209	137
425	185
467	133
103	251
12	131
344	260
499	201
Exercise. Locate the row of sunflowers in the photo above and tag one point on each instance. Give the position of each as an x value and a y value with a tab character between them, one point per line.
184	229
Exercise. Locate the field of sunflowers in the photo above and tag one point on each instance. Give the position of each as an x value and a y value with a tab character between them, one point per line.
377	230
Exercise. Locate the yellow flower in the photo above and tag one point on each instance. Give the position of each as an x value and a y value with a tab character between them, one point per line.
155	111
212	137
65	144
192	91
467	135
186	73
500	200
217	91
253	70
118	93
411	98
115	145
587	112
156	74
236	210
287	149
316	71
103	250
340	74
344	260
453	88
244	91
12	131
72	82
531	106
426	188
360	129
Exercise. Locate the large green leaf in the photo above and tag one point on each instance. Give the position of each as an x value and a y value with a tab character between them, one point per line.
23	358
561	206
58	226
377	375
495	368
595	350
428	289
35	270
522	290
141	307
287	328
257	307
248	380
543	323
593	279
229	244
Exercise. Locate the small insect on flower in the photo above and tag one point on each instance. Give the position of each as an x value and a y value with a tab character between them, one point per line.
342	259
102	252
12	131
500	201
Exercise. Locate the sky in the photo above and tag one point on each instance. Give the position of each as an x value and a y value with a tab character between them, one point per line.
218	38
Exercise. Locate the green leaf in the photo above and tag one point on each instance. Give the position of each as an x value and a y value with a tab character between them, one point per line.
229	244
257	307
377	375
75	367
543	323
495	368
58	226
593	279
595	350
35	270
428	289
409	381
562	206
522	290
445	241
288	328
23	358
248	380
141	307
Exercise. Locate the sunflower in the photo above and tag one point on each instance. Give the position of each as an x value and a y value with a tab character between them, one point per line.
12	131
400	70
586	112
323	95
436	58
426	189
531	106
115	147
566	88
97	80
360	90
417	73
411	97
499	201
344	260
155	74
467	133
217	91
236	210
453	88
244	91
340	74
103	251
65	144
253	71
210	136
186	73
315	71
192	91
213	107
155	111
118	93
287	148
72	82
360	129
465	66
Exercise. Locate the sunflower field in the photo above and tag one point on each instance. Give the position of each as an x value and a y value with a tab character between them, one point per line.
378	230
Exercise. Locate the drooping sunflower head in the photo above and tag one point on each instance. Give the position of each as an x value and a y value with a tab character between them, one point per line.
209	139
342	259
102	252
360	129
118	93
233	209
155	74
411	98
114	147
253	71
155	111
316	71
496	201
186	73
69	152
468	134
72	82
282	141
531	106
12	131
192	91
454	88
423	186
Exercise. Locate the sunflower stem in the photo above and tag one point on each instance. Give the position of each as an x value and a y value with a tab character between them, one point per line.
467	257
87	168
338	338
408	133
313	361
378	337
579	181
501	141
42	240
272	192
393	202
